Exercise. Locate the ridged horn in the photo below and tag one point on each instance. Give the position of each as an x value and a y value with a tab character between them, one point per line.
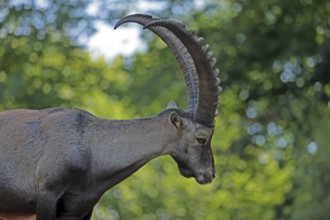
208	81
178	49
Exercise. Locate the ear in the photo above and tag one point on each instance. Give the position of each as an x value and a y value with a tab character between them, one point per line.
171	104
176	120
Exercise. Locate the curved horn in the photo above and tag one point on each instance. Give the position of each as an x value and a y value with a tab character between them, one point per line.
209	88
178	49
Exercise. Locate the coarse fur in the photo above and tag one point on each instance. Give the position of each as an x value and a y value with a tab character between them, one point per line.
57	151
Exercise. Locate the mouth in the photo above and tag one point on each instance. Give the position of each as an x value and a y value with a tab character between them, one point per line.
201	178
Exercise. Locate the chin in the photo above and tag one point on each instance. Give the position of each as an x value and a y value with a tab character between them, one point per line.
199	177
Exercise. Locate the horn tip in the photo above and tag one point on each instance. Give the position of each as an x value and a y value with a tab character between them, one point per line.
132	18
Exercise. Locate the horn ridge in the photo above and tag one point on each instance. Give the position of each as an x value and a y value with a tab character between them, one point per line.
178	49
205	66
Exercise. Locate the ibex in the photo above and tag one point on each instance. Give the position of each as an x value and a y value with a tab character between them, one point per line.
57	163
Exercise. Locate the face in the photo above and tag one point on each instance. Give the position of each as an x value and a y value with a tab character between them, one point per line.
193	153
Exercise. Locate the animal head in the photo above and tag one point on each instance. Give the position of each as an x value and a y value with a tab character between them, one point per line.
194	126
192	150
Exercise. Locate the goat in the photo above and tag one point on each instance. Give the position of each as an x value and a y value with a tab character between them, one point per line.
57	163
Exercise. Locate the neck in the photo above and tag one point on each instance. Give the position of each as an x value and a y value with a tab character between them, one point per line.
119	148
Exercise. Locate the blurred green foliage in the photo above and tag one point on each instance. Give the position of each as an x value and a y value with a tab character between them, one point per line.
270	144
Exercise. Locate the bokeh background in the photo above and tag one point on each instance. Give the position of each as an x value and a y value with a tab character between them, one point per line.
271	141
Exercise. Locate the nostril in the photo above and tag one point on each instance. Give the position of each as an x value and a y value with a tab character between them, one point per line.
213	174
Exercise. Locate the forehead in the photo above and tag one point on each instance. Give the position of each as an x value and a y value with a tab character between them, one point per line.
202	130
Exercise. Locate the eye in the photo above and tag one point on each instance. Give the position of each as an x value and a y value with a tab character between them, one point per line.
201	140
